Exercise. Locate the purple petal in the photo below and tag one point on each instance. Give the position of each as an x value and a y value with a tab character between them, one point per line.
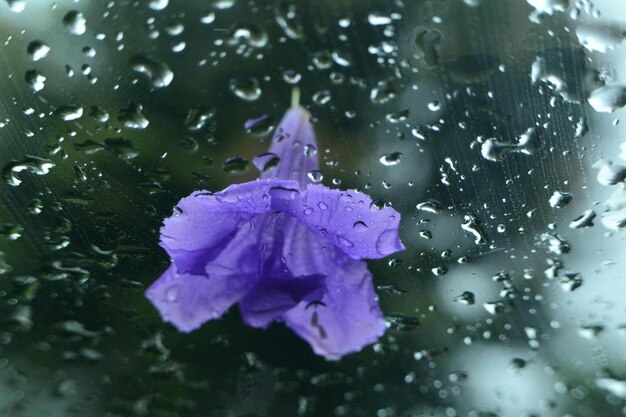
348	312
295	144
188	301
348	317
204	223
348	219
272	297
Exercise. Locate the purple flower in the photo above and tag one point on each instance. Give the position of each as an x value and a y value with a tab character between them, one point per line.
283	248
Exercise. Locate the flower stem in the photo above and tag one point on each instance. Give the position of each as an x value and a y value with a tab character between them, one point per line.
295	97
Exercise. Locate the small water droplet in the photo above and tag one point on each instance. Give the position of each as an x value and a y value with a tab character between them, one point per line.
172	293
360	226
390	159
431	206
344	242
315	176
198	117
158	4
560	199
260	126
246	88
69	113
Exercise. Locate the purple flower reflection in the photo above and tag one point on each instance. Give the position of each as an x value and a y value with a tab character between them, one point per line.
284	249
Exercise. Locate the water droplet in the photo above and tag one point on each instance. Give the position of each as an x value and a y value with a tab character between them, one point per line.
341	58
322	205
32	164
390	159
555	243
121	147
158	72
75	22
235	164
528	144
426	42
249	34
473	226
98	114
132	117
260	126
172	293
549	6
397	321
35	79
590	332
560	199
431	206
439	270
37	50
222	4
158	4
344	242
266	161
198	117
614	386
467	298
308	211
17	6
360	226
584	220
608	99
283	193
398	117
377	19
69	113
601	36
382	92
494	307
315	176
291	76
246	88
321	97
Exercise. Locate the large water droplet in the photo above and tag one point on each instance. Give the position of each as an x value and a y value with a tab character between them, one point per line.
17	6
132	117
37	50
32	164
608	99
75	22
158	72
35	79
601	36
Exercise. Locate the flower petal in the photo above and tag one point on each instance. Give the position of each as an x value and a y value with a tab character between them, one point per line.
348	219
348	313
272	297
347	318
188	301
295	144
204	223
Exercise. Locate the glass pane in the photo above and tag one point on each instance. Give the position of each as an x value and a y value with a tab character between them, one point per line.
491	126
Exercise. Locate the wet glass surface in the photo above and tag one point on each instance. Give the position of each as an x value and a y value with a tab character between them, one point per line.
492	126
